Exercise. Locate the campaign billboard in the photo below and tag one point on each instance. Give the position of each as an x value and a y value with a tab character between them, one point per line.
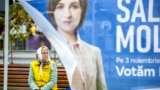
127	32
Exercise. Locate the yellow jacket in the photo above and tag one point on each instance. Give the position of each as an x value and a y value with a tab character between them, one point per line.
47	80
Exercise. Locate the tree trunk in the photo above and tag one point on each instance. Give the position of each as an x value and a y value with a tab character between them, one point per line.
11	52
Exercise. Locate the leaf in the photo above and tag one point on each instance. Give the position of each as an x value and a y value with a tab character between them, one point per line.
18	17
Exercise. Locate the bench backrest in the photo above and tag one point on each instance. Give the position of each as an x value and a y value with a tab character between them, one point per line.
18	76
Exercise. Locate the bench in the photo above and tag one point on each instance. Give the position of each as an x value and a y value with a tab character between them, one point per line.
18	77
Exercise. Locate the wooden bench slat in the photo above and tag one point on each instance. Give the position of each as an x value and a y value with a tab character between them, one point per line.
17	88
18	84
26	72
63	85
26	77
26	81
62	82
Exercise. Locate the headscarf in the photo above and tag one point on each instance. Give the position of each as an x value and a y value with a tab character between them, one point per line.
39	58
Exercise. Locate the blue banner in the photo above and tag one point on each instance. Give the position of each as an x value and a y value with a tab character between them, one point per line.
128	34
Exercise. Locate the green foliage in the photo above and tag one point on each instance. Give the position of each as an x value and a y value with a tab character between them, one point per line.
1	23
18	17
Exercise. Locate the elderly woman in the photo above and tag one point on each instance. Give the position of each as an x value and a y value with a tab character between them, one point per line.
87	72
43	71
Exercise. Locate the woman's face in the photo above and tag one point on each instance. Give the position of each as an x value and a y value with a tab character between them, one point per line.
67	15
44	53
